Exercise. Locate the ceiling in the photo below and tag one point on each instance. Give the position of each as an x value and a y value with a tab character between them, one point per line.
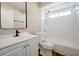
21	5
42	4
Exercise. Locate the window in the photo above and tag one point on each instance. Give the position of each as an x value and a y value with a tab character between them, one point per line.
55	15
65	13
60	14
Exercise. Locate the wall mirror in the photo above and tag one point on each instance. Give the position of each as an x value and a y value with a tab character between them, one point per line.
13	15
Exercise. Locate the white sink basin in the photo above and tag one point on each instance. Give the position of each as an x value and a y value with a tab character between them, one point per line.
23	35
7	40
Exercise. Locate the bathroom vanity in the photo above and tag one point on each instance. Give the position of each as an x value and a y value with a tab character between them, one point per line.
24	45
14	16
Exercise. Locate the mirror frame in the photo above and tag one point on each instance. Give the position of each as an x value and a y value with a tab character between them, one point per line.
0	14
14	28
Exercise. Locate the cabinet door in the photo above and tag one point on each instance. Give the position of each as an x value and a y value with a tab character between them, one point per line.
16	52
32	48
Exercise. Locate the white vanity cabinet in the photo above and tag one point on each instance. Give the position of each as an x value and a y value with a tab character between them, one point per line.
18	51
26	48
32	47
15	50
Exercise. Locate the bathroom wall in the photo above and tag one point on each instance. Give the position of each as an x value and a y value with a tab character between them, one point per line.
33	21
33	16
42	4
10	31
65	28
77	25
62	27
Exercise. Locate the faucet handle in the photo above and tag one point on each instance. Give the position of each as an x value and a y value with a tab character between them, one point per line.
17	31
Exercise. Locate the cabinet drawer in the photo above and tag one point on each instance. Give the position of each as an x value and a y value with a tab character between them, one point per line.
8	49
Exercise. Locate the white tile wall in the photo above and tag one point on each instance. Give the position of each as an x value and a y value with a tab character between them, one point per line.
66	27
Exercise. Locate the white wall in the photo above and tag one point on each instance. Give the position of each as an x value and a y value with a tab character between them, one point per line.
33	17
77	25
61	27
66	27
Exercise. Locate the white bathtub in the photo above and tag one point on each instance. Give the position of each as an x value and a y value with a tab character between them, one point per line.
66	47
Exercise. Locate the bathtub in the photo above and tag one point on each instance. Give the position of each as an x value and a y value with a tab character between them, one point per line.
68	48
